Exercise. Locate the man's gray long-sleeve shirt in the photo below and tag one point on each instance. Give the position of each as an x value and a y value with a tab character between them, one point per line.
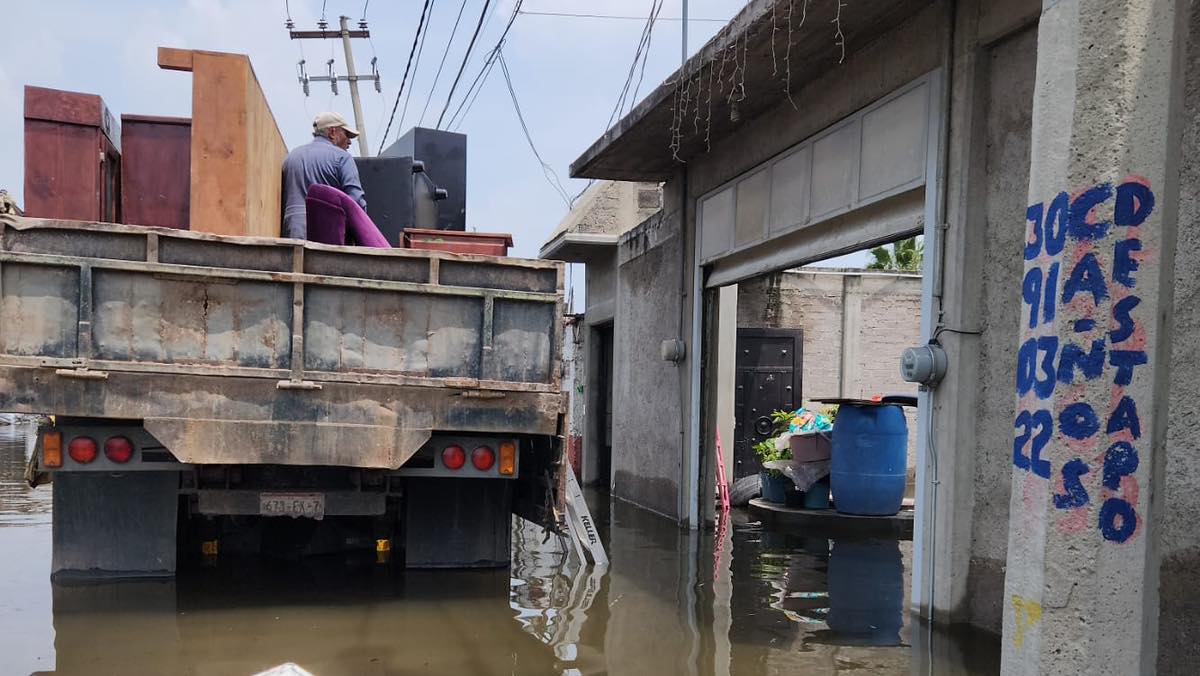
317	162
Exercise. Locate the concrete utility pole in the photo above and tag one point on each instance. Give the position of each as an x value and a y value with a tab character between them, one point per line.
1081	587
351	76
363	145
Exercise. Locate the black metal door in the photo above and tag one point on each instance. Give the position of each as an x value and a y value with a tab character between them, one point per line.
768	379
605	386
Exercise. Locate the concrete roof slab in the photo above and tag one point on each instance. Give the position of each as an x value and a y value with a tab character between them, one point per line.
736	76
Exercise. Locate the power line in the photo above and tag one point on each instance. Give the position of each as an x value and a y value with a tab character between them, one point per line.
485	70
416	72
488	65
445	52
619	17
646	56
641	53
466	56
547	170
416	39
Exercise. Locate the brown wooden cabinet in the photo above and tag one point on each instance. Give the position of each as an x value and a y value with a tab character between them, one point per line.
156	170
72	157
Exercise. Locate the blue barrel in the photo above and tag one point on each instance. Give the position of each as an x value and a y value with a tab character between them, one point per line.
869	463
866	592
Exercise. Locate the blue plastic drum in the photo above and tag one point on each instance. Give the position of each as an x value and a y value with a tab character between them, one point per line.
869	464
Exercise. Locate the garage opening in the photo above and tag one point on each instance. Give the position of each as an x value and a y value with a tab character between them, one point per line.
831	330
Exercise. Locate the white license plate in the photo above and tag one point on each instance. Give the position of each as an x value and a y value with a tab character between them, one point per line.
295	505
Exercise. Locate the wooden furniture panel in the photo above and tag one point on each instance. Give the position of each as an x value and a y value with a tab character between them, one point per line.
72	160
237	150
156	170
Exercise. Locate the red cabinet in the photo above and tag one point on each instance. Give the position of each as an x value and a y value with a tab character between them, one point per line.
156	170
72	157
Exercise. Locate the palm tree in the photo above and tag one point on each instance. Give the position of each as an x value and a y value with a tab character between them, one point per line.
906	255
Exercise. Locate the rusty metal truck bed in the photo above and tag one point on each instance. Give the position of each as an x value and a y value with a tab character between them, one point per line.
255	350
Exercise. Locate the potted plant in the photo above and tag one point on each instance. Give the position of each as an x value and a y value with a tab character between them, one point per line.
774	483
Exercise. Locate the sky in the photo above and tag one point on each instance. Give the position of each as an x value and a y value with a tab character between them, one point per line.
567	73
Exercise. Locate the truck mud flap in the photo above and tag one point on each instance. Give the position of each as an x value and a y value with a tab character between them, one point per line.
114	525
541	489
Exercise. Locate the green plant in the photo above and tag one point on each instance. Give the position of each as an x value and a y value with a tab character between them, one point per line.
831	412
906	255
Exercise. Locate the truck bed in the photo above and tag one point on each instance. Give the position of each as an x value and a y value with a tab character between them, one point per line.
256	350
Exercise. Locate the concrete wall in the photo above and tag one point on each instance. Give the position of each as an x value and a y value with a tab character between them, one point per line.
647	442
601	285
855	327
1179	618
612	208
1011	65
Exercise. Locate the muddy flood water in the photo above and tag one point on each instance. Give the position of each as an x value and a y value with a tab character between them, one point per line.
744	600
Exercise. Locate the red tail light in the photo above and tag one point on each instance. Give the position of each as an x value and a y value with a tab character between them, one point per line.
454	457
82	449
118	449
483	458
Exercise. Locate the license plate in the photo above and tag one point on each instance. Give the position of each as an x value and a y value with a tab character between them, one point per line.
295	505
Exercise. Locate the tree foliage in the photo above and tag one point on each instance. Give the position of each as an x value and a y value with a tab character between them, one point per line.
907	255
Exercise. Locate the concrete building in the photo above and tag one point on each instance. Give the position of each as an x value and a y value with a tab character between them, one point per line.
1048	154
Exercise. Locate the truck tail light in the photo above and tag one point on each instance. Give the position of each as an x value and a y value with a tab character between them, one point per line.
82	450
52	449
483	458
454	457
508	458
118	449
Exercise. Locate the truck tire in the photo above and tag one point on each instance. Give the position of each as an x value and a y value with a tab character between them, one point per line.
744	489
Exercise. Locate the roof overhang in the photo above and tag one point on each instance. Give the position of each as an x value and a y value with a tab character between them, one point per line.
640	147
578	247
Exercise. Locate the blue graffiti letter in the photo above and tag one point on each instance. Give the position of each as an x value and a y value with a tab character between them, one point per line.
1076	495
1121	459
1082	207
1125	323
1073	356
1078	421
1125	360
1045	424
1034	247
1125	417
1124	264
1112	511
1024	423
1135	201
1051	285
1044	387
1057	213
1031	291
1085	276
1026	366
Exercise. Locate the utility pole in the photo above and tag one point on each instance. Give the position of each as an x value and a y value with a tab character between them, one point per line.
351	76
683	58
363	145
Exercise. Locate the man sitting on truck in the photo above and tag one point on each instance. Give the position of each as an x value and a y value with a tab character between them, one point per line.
325	161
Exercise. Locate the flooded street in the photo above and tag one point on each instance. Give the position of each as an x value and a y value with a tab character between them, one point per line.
746	600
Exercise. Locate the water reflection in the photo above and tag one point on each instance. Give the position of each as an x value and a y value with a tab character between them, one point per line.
743	600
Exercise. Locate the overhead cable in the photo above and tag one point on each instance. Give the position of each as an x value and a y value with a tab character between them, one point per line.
437	76
466	56
547	170
484	71
416	39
